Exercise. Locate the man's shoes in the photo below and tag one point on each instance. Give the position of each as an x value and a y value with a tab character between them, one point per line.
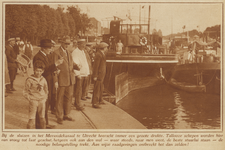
50	126
59	121
83	98
88	97
8	91
12	89
102	103
53	112
95	106
68	118
80	108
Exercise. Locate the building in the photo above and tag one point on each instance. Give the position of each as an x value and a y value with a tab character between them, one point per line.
96	27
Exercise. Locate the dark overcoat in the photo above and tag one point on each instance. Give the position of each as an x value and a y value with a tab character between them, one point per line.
50	66
16	48
99	66
11	56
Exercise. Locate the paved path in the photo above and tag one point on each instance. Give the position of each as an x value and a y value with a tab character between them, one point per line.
16	111
108	117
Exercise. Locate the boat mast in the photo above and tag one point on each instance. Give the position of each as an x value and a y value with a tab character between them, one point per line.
140	15
149	10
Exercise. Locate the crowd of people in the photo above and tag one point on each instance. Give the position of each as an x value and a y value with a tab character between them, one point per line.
58	75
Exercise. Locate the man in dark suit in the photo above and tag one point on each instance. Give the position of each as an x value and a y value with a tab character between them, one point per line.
43	55
16	46
12	63
99	71
66	81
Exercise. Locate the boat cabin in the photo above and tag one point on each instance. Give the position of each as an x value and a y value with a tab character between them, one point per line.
135	38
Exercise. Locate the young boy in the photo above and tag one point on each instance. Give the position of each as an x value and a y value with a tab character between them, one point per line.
36	92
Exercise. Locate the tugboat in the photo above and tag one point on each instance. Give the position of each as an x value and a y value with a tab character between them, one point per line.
199	69
140	64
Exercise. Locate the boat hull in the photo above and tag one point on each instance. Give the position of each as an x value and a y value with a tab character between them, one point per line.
126	74
197	77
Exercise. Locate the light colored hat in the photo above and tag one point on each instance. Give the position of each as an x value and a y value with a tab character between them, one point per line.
81	40
21	43
102	45
66	40
17	38
11	39
196	36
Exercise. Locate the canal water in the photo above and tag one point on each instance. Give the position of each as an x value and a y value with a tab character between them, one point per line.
164	107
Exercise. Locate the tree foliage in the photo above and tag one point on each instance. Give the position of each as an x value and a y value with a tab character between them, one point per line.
213	32
35	22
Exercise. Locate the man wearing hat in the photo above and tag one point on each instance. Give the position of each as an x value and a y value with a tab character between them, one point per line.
66	81
50	66
79	57
99	71
12	63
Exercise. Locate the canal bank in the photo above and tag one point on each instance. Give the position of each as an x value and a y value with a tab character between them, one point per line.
108	116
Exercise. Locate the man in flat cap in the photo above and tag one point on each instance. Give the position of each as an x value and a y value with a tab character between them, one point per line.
99	71
79	57
50	66
66	80
12	63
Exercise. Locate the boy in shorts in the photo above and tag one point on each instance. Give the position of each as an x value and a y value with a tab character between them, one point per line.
36	92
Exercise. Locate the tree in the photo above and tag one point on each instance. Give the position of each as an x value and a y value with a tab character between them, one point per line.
65	21
72	25
42	22
85	23
30	26
59	30
213	32
14	20
74	11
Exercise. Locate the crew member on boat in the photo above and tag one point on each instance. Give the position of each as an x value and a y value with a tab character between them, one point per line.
119	47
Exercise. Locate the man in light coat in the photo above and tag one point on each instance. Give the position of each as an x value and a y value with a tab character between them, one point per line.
79	57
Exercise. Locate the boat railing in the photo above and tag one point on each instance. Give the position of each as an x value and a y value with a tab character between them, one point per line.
203	56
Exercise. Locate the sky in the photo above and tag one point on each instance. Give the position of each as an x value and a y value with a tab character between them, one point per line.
168	17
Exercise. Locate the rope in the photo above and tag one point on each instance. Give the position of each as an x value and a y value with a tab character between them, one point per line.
211	79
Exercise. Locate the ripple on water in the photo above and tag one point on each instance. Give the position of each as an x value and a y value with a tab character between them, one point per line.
157	108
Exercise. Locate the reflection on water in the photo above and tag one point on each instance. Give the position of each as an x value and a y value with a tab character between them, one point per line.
163	107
